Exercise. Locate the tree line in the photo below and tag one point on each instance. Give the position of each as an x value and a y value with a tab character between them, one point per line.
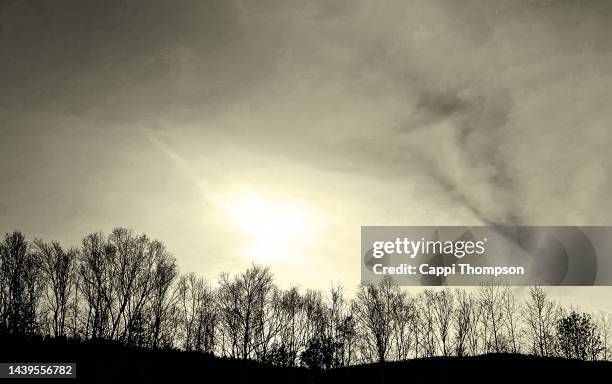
127	288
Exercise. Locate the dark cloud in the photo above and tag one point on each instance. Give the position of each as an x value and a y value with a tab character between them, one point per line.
123	59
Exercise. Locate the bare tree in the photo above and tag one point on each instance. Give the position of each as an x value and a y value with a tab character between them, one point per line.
604	324
341	327
375	314
97	284
464	322
161	301
59	272
475	334
319	348
416	322
490	296
347	331
292	336
242	299
403	311
268	323
540	315
443	316
153	271
511	318
21	285
315	313
196	314
130	280
229	318
427	323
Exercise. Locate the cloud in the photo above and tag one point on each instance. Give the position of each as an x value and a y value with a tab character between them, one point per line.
419	112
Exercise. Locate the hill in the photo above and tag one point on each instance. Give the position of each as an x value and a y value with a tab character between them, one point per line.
104	362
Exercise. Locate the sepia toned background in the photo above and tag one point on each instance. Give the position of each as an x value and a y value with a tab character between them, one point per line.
240	131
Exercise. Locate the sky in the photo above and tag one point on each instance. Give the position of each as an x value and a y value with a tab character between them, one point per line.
271	131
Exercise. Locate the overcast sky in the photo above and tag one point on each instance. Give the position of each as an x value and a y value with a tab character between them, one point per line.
165	117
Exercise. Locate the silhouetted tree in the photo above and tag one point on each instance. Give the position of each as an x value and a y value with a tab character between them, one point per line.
511	310
465	322
347	331
604	323
318	324
374	313
161	301
97	285
242	302
490	296
443	315
427	323
403	311
58	267
21	285
126	287
578	337
318	354
130	279
540	316
292	336
196	314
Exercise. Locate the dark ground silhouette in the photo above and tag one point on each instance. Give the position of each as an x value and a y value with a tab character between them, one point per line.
108	362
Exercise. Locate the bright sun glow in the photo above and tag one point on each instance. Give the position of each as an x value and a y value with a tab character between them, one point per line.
278	229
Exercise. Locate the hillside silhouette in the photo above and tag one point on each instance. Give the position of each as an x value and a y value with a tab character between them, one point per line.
104	362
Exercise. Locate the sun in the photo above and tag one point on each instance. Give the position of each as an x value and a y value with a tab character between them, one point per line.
278	229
